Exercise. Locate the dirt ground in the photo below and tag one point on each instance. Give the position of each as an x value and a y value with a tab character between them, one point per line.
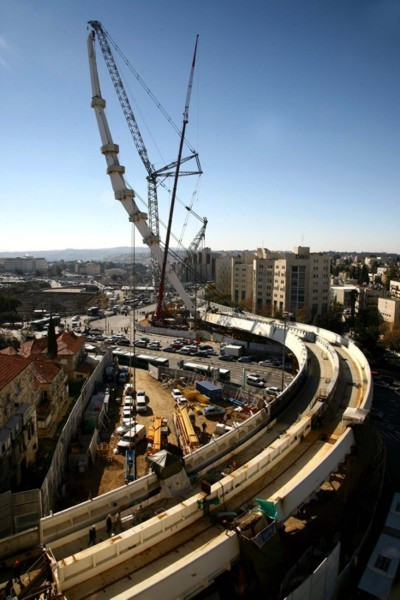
108	472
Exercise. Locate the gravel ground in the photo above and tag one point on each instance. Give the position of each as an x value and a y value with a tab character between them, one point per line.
109	473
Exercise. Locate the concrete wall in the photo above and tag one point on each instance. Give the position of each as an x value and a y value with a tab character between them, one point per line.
54	476
83	515
15	544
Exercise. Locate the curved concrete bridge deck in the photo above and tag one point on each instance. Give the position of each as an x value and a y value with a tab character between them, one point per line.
285	463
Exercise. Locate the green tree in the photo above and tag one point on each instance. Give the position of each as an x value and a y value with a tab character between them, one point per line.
390	336
367	333
332	319
363	275
51	340
353	295
8	341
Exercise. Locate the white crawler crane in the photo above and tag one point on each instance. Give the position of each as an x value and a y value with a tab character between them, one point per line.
122	192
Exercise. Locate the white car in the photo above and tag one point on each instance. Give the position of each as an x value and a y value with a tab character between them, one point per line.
175	393
141	406
131	437
184	350
127	414
273	391
129	403
122	429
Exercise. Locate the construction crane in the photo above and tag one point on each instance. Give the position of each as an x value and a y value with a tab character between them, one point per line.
122	192
153	174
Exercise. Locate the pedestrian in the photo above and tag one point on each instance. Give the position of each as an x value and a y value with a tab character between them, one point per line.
17	571
109	524
92	536
204	427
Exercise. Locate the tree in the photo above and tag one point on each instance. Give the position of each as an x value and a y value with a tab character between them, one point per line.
390	336
302	315
363	276
211	294
51	340
367	333
333	319
8	341
353	295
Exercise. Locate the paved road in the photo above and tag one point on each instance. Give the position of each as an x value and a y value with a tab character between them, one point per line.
387	402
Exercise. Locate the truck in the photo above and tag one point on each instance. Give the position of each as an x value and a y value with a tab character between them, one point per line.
209	389
232	350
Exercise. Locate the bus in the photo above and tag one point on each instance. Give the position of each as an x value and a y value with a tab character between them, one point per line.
140	361
197	368
40	324
93	311
207	370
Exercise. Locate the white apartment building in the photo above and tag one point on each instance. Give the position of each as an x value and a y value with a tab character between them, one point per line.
389	309
25	264
394	288
200	267
299	280
275	282
242	277
223	273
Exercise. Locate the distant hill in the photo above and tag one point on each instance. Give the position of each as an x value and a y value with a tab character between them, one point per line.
112	254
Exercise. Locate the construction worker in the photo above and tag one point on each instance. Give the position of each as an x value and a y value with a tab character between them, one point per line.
109	524
92	536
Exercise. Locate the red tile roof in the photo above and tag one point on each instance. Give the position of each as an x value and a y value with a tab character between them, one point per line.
67	344
9	351
45	370
10	367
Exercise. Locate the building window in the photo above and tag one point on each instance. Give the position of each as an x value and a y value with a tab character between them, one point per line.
383	563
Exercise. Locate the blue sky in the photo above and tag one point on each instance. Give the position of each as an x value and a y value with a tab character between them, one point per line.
294	112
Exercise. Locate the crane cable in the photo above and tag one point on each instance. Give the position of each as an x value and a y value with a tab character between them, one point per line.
147	89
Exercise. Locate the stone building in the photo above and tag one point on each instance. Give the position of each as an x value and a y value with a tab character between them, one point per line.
18	430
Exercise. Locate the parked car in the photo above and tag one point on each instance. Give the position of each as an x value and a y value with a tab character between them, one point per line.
213	411
154	346
122	429
255	380
141	343
226	357
273	391
170	349
202	354
380	383
184	350
265	363
131	438
175	393
128	402
141	406
206	347
244	359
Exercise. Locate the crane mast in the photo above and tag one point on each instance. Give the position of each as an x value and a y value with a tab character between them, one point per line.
178	164
122	193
